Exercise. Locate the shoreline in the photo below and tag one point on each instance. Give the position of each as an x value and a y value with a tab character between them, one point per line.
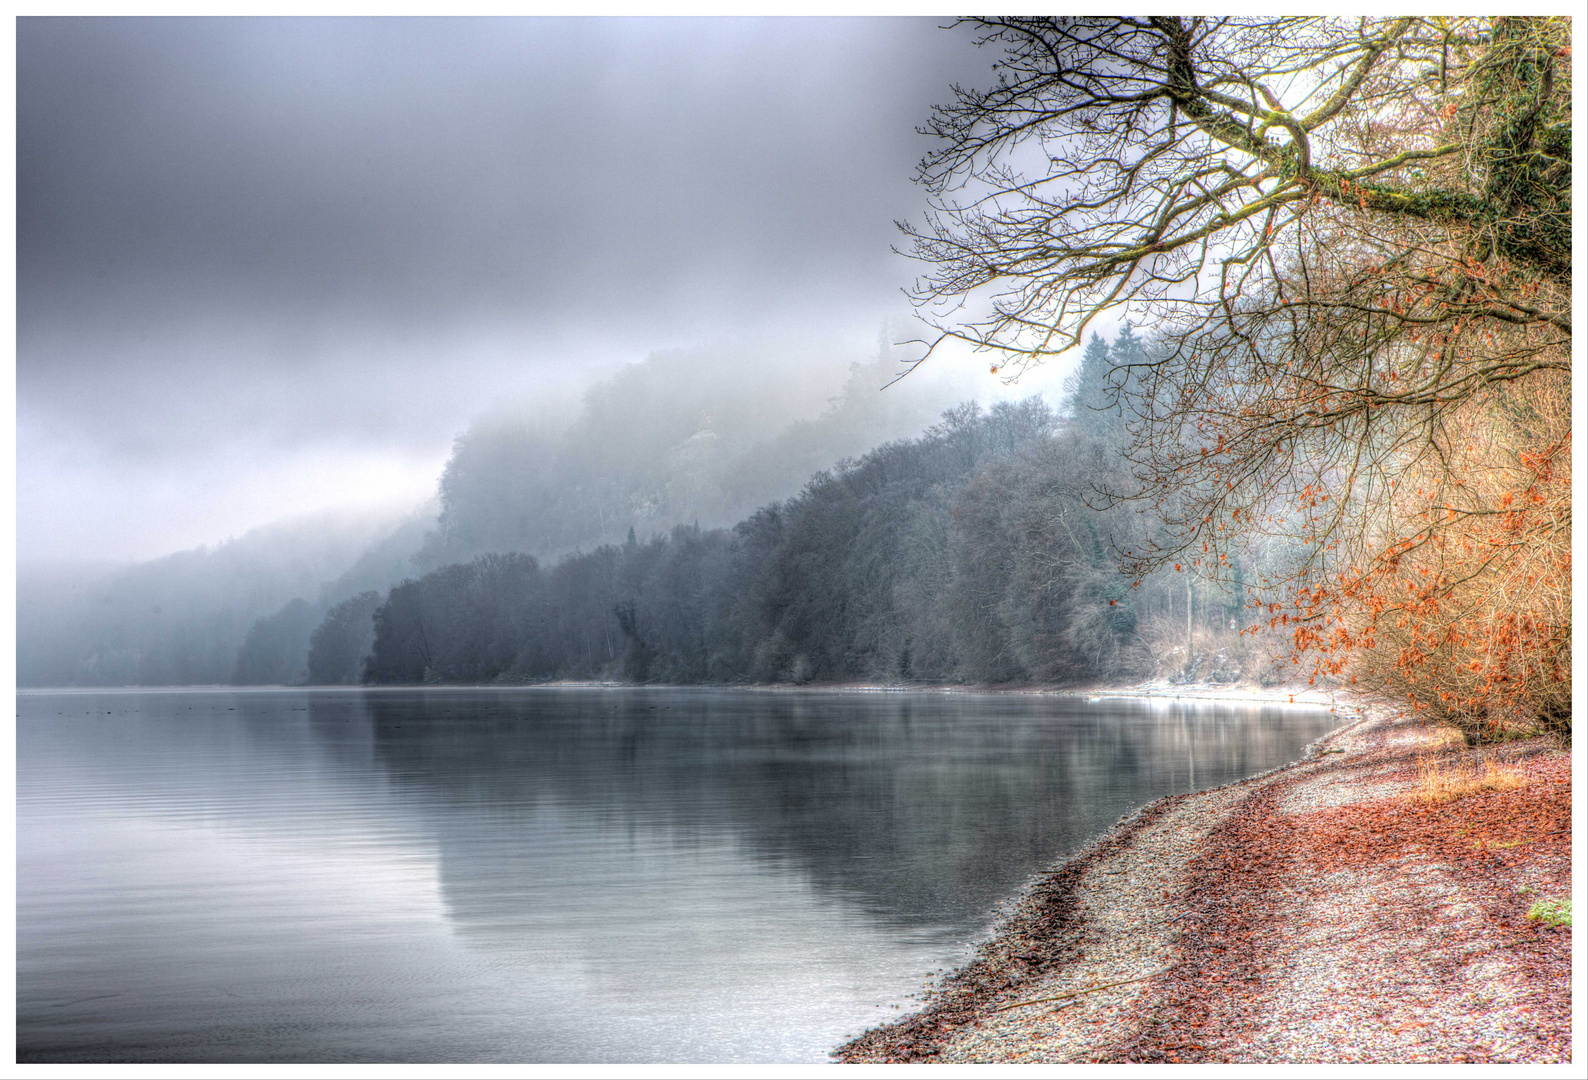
1311	913
1215	693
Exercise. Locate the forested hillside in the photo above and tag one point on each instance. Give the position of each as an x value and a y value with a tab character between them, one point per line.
985	549
684	437
979	551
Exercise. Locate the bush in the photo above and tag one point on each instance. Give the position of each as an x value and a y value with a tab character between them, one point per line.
1438	784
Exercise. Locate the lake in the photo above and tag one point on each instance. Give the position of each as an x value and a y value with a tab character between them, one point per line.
550	874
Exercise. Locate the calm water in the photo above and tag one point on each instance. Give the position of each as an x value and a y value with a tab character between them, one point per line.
548	875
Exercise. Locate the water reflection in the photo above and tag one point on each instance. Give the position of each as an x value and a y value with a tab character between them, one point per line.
550	874
929	809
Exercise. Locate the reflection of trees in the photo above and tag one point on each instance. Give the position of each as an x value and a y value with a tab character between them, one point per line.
926	809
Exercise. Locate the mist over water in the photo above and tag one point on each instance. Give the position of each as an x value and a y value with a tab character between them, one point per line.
549	874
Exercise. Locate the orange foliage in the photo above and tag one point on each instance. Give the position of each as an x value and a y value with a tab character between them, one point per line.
1465	606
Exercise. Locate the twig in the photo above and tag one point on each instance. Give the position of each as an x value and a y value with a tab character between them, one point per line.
1083	990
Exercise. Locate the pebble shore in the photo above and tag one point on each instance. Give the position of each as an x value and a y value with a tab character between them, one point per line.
1314	913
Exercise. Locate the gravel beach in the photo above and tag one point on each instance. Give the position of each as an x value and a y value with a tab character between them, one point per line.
1315	913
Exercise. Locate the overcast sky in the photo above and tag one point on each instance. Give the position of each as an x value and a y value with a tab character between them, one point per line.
265	266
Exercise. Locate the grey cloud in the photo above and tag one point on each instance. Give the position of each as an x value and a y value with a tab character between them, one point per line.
267	233
423	170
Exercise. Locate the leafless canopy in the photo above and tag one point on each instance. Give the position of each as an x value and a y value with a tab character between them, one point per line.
1341	230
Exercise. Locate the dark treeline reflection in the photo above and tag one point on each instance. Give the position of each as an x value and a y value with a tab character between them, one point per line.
927	808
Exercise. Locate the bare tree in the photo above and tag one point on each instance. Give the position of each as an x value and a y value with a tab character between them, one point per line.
1353	240
1161	162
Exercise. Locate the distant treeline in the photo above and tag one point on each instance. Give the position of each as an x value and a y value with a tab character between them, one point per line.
703	435
980	551
193	618
974	552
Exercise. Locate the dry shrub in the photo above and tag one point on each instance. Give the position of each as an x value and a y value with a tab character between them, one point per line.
1445	737
1439	783
1466	608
